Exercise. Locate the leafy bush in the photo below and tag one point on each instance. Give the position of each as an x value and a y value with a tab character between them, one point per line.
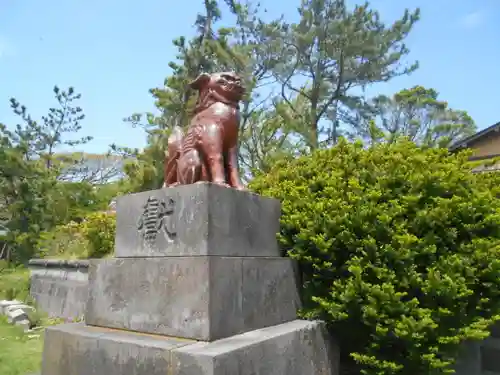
399	250
63	241
99	230
94	237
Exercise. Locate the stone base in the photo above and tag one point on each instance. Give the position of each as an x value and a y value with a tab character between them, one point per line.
77	349
295	348
202	298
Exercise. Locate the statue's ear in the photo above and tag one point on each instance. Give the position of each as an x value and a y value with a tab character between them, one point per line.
200	82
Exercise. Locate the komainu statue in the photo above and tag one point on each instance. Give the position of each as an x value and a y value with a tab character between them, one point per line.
209	149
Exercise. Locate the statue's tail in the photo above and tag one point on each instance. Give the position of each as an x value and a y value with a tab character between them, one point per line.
171	156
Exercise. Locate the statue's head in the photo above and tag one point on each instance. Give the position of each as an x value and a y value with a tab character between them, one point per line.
229	85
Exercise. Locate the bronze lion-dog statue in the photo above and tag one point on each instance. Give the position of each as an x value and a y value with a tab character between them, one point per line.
209	149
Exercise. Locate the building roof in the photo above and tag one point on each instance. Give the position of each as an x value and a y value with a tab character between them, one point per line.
480	134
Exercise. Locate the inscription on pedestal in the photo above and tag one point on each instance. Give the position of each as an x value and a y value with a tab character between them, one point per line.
194	220
156	217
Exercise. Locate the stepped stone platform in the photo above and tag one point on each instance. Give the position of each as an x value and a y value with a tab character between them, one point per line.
294	348
197	287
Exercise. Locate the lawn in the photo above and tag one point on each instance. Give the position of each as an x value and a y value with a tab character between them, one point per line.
20	353
14	282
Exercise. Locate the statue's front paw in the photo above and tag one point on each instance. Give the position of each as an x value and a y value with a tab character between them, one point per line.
165	185
221	183
241	187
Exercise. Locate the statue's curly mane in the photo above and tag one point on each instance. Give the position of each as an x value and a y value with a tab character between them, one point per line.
208	97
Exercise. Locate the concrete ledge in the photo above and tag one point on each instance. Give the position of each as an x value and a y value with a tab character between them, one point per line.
60	287
58	263
80	350
298	347
294	348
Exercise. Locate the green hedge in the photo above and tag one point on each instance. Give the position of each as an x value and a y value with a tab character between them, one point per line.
94	237
398	247
99	231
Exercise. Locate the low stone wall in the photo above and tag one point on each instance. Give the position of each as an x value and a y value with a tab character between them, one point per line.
60	287
481	357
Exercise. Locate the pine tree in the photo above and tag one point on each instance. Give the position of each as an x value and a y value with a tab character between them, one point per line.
331	54
32	196
417	114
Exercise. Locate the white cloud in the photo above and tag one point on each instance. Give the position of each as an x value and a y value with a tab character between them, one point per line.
472	20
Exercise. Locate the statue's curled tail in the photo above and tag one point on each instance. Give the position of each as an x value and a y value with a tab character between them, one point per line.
172	156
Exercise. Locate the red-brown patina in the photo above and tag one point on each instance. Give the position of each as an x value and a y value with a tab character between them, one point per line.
209	149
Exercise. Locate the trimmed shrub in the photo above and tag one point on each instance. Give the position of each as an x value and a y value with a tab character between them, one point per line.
99	230
94	237
398	247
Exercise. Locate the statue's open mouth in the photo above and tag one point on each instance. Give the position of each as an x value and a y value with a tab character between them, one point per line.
237	88
233	84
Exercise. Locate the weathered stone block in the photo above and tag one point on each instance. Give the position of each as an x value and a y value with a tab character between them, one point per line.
76	349
490	356
6	303
294	348
15	316
25	308
469	359
495	330
198	219
60	288
204	298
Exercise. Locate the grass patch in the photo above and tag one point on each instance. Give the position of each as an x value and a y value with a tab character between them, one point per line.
20	353
14	282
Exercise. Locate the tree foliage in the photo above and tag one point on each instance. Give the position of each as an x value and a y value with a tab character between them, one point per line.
336	50
94	237
399	248
417	114
35	191
40	139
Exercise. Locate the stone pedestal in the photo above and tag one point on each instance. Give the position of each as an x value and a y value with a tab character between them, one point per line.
193	220
197	287
201	297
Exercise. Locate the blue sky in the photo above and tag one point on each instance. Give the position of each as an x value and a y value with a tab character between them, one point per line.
113	51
